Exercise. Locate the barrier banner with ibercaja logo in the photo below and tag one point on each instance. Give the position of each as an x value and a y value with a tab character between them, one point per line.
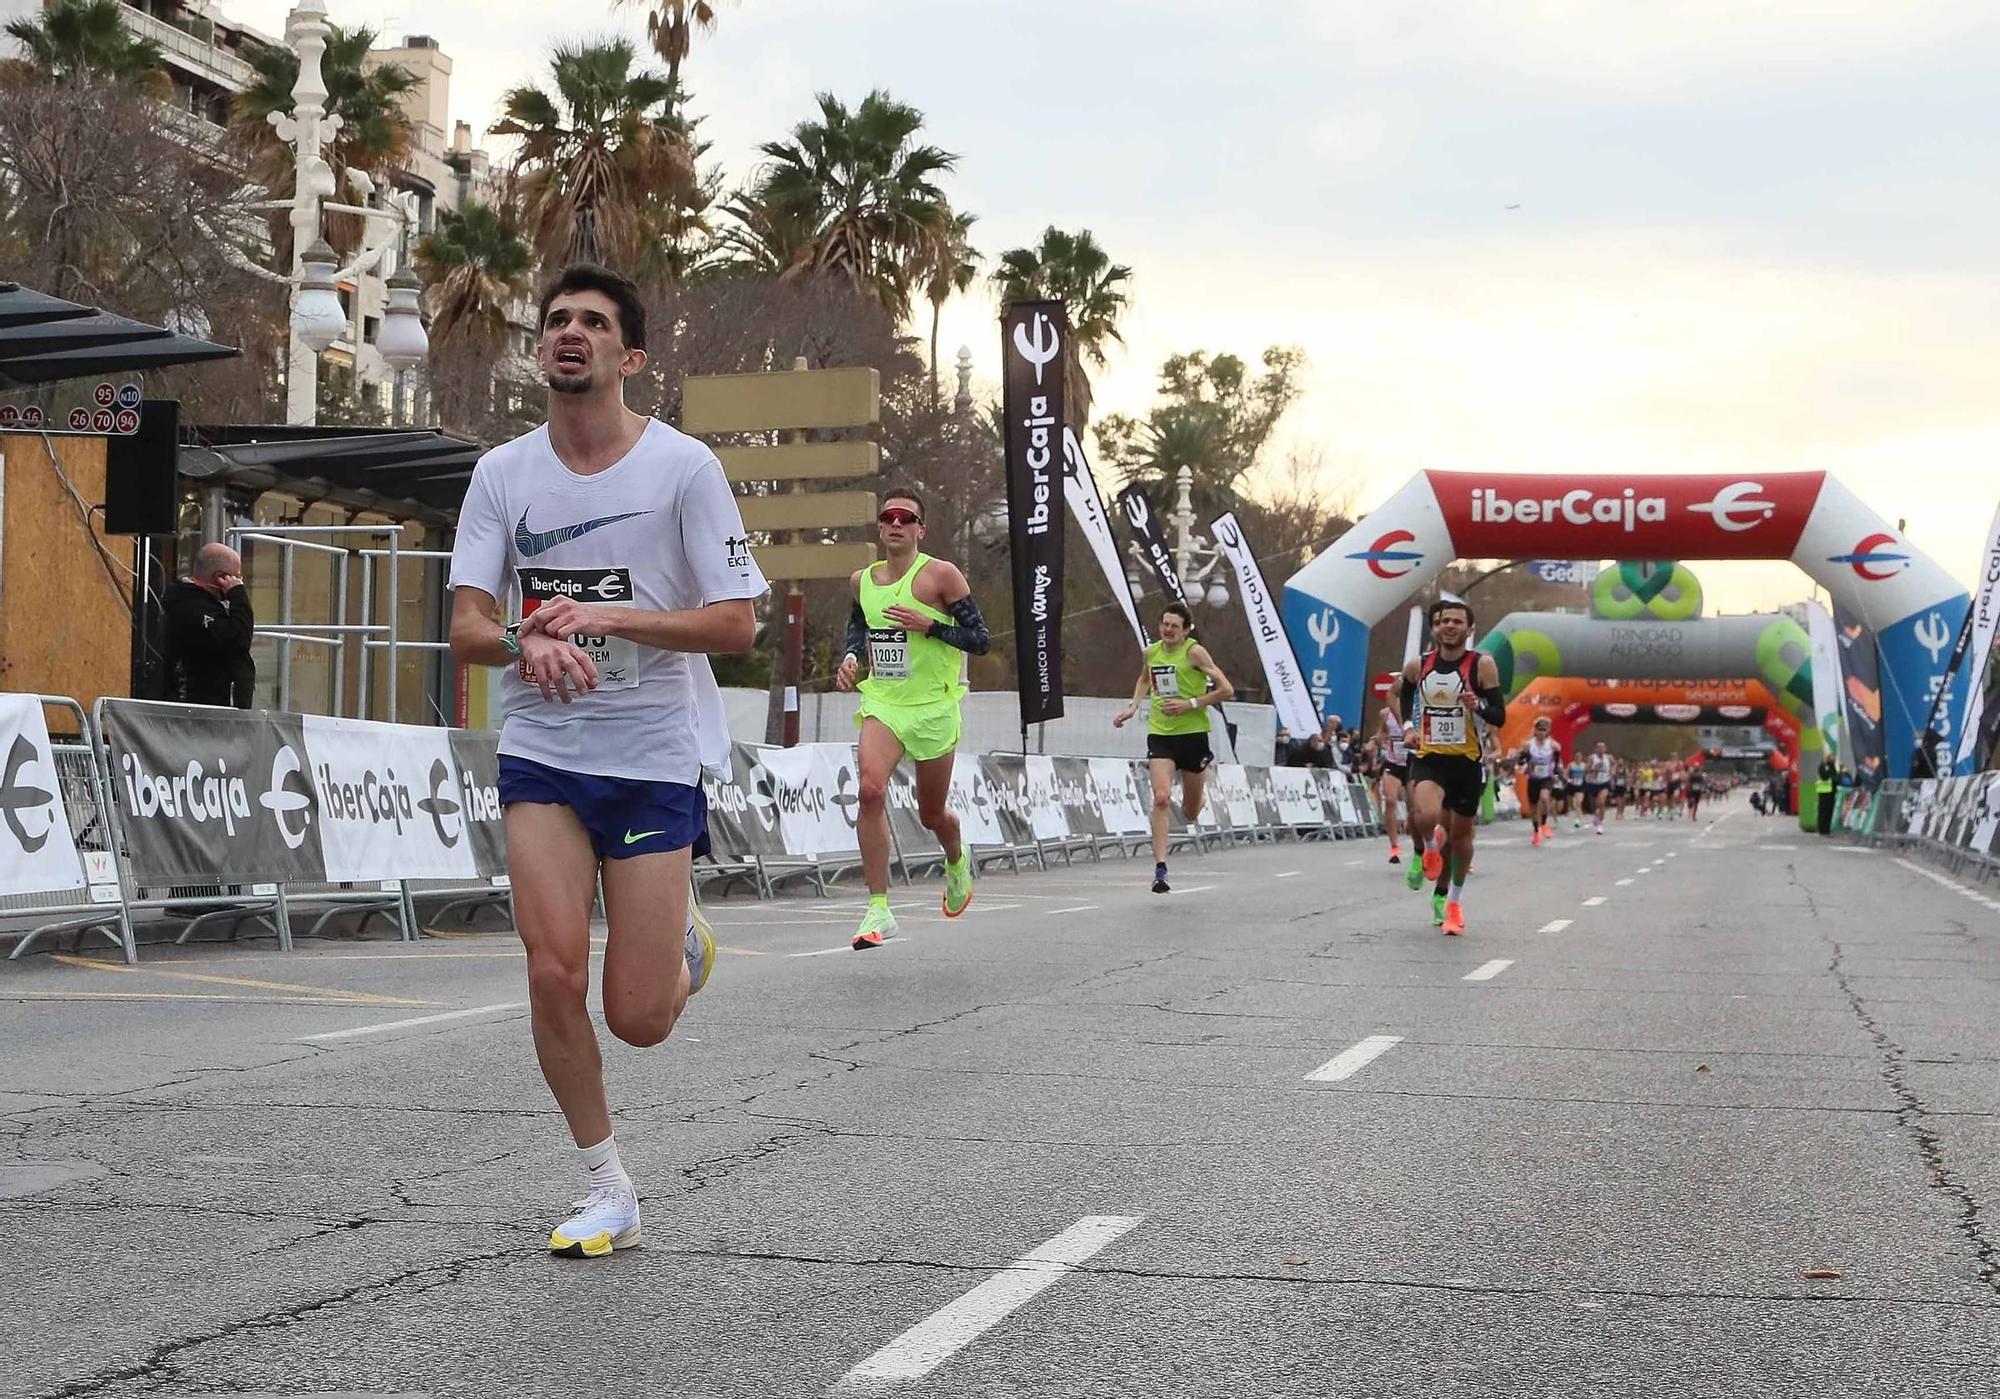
1077	793
212	795
476	752
37	847
1025	787
977	805
742	810
390	804
801	783
1116	787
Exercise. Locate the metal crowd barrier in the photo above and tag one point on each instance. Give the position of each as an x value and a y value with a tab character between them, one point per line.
86	802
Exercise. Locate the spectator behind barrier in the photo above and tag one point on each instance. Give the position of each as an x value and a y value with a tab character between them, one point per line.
208	626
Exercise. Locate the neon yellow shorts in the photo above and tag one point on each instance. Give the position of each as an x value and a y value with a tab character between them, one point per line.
926	731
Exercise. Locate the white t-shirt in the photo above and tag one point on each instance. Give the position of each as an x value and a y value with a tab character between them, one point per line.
658	530
1542	755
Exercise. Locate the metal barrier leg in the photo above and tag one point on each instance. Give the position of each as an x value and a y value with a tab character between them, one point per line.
282	914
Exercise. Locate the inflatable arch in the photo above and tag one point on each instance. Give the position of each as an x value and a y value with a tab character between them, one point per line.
1529	646
1913	606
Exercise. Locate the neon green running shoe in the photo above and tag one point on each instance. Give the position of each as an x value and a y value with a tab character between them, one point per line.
1413	876
1437	910
957	885
878	925
700	946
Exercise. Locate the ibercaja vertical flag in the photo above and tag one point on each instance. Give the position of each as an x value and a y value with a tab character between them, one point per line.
1032	336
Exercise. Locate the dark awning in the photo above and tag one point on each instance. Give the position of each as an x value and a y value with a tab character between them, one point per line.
44	339
418	474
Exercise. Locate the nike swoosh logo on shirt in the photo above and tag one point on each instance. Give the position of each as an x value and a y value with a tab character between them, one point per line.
631	839
532	542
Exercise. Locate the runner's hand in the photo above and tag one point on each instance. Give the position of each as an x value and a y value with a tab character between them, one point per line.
560	670
849	672
1119	719
563	616
907	617
1176	706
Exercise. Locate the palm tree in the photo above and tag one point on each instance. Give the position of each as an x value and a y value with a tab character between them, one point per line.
670	24
475	263
79	38
948	264
859	191
1070	267
375	131
598	155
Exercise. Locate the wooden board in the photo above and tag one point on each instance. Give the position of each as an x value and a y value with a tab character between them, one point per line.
65	627
780	561
800	461
797	398
817	510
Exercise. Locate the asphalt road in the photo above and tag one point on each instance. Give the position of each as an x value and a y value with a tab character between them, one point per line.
1715	1060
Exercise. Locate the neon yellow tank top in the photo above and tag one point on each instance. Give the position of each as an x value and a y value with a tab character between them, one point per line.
1175	675
906	667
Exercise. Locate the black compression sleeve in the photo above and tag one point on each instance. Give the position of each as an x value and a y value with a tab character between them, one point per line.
1409	700
856	643
967	631
1493	705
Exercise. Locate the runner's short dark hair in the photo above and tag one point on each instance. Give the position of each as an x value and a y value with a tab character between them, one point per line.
589	276
908	493
1446	604
1180	610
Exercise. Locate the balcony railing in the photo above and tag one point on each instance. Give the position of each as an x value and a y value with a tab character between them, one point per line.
218	65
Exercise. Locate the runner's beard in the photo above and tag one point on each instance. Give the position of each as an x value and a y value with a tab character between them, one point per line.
572	382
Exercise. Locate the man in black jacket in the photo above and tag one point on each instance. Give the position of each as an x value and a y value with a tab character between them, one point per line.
208	629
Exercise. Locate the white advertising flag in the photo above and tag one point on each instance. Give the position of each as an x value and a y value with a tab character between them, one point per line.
1086	503
1827	685
37	850
1985	615
1282	673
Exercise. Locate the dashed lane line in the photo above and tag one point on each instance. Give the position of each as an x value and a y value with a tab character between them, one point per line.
1593	901
1622	883
1080	908
359	1030
1489	971
1555	925
1288	874
1352	1060
938	1337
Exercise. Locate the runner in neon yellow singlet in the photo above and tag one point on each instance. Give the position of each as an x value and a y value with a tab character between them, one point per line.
1183	682
913	624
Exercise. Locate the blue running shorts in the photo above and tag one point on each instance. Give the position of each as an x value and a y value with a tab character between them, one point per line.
625	816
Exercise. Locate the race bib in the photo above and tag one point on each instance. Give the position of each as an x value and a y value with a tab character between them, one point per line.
889	653
616	657
1444	728
1166	682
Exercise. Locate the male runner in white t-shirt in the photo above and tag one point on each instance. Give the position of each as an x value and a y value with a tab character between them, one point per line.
1541	755
619	541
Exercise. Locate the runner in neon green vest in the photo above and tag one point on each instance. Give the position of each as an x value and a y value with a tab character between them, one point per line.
1184	683
913	624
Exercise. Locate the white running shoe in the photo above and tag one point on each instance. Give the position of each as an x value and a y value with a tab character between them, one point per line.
605	1219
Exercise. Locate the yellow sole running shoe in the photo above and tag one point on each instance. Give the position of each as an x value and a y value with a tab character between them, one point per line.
700	946
607	1219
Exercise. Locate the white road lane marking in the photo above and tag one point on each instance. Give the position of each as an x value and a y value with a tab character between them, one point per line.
1489	971
1774	845
1622	883
1196	889
1352	1060
934	1340
360	1030
1080	908
1593	901
1288	874
1555	925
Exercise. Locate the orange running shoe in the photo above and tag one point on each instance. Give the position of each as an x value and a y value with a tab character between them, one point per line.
1433	863
1395	854
1454	918
1536	839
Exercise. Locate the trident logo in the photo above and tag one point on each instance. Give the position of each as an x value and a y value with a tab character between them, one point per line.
1933	636
1318	628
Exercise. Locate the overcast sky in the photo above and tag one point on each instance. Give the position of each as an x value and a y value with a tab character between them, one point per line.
1750	236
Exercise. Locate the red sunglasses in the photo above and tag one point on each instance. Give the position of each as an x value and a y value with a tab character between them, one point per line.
899	517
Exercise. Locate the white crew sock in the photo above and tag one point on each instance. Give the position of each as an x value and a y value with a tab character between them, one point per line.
602	1164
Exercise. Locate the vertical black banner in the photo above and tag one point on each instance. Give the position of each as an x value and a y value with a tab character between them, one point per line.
1032	336
1144	522
1862	667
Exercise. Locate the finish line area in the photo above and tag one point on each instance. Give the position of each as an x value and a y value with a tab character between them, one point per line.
1689	1106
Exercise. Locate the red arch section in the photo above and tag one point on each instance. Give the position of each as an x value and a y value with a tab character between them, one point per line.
1515	515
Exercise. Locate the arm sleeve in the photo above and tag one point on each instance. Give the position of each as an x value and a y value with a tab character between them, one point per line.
712	533
967	629
1493	704
856	643
1408	696
479	549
